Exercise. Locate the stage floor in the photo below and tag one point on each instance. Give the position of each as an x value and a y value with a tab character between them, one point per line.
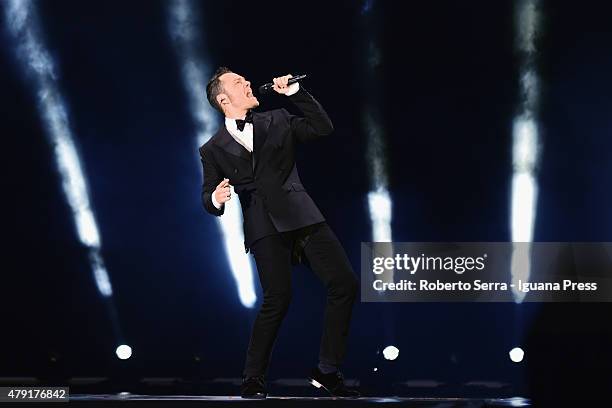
127	399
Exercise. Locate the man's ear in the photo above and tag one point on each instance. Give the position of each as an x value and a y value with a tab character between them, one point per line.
222	99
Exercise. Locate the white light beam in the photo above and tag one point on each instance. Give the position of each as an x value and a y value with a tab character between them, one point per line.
183	23
38	64
525	150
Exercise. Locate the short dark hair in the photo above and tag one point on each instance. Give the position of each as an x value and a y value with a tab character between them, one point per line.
214	87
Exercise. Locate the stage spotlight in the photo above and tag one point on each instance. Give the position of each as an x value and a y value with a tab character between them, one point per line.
124	352
391	352
184	27
517	354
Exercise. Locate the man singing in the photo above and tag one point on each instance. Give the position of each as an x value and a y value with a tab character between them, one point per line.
255	153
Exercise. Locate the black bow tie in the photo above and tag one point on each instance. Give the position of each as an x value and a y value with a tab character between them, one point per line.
240	122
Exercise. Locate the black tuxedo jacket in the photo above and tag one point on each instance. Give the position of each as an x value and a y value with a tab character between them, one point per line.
270	190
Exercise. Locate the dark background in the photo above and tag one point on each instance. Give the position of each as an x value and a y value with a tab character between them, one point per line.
446	91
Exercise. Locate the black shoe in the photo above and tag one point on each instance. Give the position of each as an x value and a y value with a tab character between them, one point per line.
333	383
253	387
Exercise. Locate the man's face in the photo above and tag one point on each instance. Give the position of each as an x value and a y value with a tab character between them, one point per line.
238	92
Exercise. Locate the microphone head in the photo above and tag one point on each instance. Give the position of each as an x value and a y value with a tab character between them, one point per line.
264	89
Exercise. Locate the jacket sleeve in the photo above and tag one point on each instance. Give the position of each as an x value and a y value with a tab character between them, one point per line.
315	122
212	178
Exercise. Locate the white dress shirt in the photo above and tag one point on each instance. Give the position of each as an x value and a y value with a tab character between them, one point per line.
245	137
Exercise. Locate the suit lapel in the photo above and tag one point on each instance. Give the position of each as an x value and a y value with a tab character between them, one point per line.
261	122
227	143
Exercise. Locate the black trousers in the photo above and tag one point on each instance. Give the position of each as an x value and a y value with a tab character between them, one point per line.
319	249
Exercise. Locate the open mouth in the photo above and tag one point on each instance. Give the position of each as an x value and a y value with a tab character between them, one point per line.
250	94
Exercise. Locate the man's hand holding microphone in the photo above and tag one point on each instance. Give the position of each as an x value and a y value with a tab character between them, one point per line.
283	87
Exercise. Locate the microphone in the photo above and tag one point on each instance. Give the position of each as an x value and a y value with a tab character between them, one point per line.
265	88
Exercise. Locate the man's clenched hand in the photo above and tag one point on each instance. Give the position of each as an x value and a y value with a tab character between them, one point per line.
222	192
